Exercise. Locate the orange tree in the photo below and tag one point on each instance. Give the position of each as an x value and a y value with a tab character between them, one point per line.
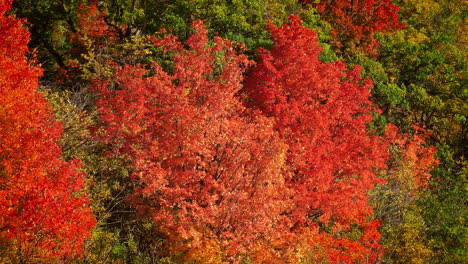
206	168
321	111
44	214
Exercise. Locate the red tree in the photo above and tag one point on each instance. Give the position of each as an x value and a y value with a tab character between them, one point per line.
321	111
355	22
44	215
414	159
207	167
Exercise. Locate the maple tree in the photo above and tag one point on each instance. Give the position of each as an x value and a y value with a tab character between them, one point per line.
356	22
188	162
207	168
44	214
321	111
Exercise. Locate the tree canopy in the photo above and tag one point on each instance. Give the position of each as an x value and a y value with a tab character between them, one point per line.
253	131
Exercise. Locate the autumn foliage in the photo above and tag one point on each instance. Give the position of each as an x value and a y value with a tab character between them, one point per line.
356	22
92	26
208	169
321	111
43	211
288	174
403	228
193	152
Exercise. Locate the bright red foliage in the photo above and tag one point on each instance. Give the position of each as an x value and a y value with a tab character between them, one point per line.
208	169
321	111
355	22
92	24
416	160
43	214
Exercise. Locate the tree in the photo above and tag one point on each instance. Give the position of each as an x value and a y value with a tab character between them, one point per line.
404	230
50	22
426	62
444	209
44	214
239	21
321	111
207	168
356	22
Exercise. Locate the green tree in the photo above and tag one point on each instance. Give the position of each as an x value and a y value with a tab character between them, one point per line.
421	77
428	63
50	23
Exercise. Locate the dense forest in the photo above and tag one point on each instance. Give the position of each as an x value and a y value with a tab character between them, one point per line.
241	131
